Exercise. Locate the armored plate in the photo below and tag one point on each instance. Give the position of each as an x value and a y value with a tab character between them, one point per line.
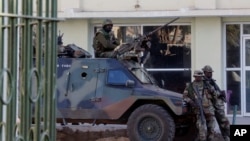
89	88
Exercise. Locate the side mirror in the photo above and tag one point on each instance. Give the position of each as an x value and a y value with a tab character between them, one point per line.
130	83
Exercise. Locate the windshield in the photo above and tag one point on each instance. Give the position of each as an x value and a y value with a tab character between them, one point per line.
142	75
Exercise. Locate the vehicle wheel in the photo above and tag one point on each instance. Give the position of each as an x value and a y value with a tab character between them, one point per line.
150	123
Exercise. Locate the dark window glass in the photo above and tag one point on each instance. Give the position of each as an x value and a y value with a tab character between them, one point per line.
233	45
233	91
127	33
171	47
142	75
172	80
247	52
246	28
247	91
171	52
233	59
117	77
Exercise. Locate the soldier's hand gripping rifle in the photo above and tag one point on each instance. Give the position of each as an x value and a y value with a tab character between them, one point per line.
198	101
222	95
138	42
211	83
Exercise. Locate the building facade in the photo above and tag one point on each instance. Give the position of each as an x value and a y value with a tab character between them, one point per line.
214	32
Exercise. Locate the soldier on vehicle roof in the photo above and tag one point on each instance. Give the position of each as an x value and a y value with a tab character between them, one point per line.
104	41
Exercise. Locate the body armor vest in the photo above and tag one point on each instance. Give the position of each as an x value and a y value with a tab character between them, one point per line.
98	47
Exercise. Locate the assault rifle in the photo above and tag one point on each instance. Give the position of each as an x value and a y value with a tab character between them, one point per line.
141	43
222	95
198	101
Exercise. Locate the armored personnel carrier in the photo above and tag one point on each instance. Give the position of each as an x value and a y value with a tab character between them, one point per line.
113	91
120	91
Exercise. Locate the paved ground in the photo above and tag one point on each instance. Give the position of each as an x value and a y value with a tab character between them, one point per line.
87	132
239	120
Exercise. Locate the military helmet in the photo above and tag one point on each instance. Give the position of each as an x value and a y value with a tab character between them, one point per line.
207	68
198	73
107	22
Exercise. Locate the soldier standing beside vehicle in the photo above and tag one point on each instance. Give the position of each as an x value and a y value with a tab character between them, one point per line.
199	98
218	102
104	41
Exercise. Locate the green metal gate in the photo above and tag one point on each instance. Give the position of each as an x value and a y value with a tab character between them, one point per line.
28	70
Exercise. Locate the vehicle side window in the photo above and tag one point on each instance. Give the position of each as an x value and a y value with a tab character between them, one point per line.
117	77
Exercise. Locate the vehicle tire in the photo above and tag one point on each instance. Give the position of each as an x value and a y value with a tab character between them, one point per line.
150	123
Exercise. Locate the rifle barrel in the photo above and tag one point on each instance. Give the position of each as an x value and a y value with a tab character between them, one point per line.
163	26
199	102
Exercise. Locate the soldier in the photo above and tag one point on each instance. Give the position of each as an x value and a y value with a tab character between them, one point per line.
218	102
203	109
104	41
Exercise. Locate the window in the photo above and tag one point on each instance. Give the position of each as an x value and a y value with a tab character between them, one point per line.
170	56
143	76
246	28
170	53
233	45
117	77
125	33
233	63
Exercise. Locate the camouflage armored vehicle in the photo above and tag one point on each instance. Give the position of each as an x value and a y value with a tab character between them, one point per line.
119	91
112	91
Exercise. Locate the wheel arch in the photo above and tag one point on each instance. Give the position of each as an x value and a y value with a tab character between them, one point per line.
141	102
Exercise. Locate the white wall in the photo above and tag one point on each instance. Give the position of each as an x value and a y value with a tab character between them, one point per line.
207	45
80	31
75	31
67	4
233	4
147	5
130	5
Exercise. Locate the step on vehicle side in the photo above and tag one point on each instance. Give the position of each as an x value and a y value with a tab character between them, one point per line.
112	91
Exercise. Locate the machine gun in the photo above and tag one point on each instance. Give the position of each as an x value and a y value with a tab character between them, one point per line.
198	101
141	43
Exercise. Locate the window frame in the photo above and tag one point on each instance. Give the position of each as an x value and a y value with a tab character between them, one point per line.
115	83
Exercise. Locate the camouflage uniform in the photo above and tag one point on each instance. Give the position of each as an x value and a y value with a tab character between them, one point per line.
218	102
105	42
206	130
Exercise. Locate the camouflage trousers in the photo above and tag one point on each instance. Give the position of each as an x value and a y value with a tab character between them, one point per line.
206	131
221	118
